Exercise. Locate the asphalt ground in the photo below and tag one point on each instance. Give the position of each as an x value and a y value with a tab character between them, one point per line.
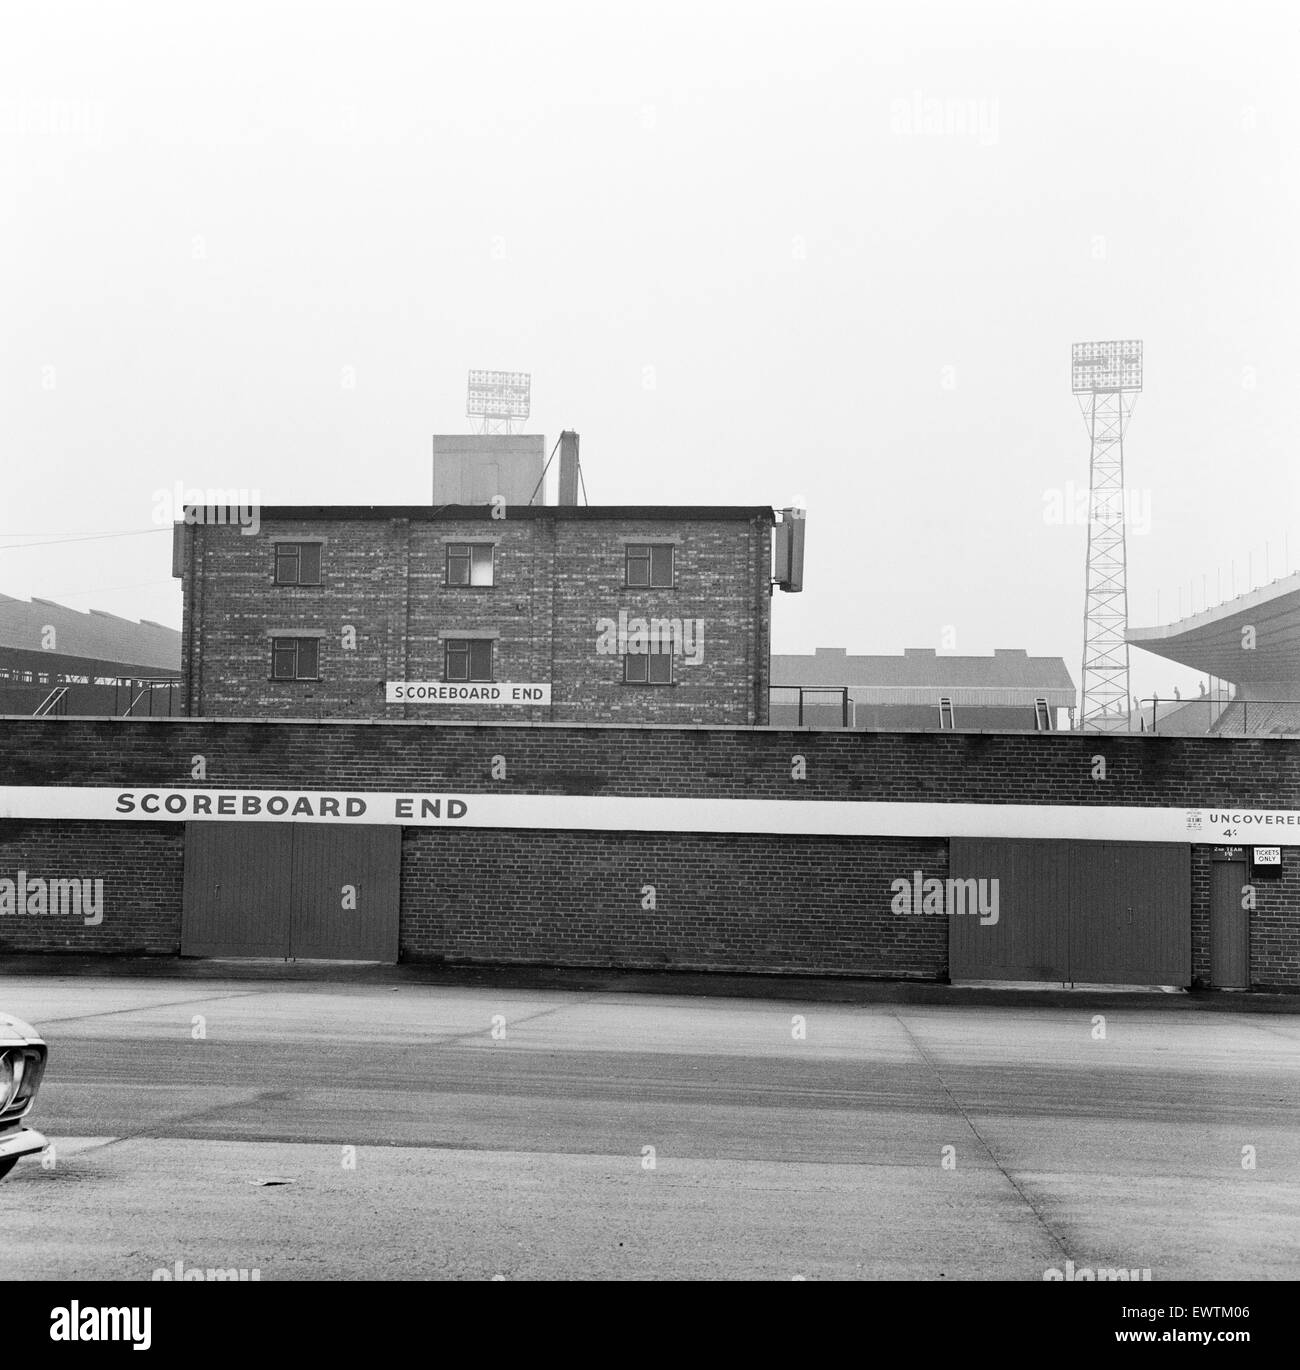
342	1123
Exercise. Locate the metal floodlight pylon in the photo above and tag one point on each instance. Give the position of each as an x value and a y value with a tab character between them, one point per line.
498	398
1107	377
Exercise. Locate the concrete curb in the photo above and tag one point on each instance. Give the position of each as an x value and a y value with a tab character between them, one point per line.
785	988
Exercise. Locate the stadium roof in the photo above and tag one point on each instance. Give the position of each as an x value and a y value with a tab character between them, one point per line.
89	636
1213	641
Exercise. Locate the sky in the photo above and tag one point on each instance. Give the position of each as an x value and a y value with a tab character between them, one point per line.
831	255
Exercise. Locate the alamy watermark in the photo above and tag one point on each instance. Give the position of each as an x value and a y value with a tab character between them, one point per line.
1102	1272
39	897
1079	506
198	1272
74	1322
945	898
932	117
220	507
624	636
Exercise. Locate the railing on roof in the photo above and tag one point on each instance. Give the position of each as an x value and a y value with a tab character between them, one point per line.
149	693
56	702
1284	712
817	706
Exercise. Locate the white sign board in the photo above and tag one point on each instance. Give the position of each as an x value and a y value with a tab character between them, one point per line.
623	813
447	692
1268	856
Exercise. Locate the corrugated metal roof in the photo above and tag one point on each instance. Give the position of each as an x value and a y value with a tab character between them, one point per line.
923	668
93	635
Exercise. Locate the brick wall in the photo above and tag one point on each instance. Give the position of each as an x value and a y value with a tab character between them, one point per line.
1201	864
1275	928
554	577
811	904
142	871
720	902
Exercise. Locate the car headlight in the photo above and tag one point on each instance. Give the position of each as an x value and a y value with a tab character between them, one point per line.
27	1075
21	1069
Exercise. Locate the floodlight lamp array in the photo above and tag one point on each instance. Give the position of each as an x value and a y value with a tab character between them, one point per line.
499	394
1106	366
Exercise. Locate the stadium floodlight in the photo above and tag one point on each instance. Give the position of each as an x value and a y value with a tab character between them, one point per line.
1106	377
1106	366
499	396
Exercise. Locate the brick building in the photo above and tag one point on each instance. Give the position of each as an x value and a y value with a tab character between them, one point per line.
548	613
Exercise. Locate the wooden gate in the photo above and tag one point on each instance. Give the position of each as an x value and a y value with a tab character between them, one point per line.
1075	912
1229	923
291	890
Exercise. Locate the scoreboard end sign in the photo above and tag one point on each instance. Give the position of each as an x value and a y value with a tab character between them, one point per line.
489	692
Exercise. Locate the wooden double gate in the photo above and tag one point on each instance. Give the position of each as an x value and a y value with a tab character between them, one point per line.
305	890
1076	912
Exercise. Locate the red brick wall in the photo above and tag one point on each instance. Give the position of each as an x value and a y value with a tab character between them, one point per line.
554	577
1201	915
142	870
1275	927
721	902
812	904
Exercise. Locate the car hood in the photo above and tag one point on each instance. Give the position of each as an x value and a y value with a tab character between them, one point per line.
14	1032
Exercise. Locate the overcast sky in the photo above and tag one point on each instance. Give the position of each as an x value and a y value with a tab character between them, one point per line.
754	254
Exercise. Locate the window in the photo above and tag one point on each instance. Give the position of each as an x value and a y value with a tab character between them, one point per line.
468	659
295	658
650	566
945	714
1042	716
469	563
648	668
297	563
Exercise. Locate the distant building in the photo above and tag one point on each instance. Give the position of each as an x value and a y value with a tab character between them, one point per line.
54	659
920	689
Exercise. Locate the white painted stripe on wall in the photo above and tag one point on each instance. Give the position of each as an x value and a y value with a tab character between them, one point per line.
612	813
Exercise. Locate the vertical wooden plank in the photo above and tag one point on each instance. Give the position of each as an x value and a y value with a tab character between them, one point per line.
1229	927
346	892
1029	941
1130	913
236	889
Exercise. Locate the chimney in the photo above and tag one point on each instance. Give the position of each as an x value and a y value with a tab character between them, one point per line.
568	492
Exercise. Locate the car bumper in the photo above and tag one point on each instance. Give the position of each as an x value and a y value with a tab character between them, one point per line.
21	1143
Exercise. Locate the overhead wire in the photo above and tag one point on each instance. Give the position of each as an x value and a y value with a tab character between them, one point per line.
87	537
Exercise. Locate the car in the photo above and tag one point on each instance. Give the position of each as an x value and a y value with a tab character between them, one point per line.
22	1063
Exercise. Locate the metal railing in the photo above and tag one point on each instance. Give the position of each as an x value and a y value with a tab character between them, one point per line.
831	701
1225	709
56	702
147	692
